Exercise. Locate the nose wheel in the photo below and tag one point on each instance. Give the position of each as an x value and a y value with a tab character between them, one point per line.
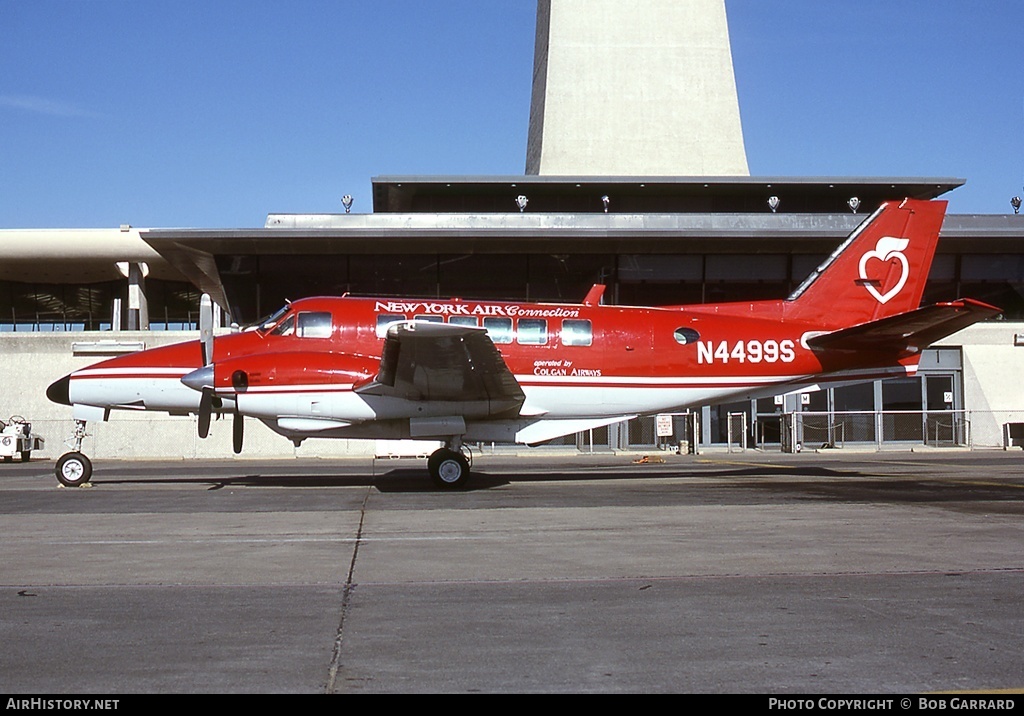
448	468
73	469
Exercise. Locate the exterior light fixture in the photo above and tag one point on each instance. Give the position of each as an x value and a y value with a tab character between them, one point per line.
773	203
1015	203
521	202
854	204
606	201
347	202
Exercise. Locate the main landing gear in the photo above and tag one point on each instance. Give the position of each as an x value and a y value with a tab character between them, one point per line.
73	468
449	466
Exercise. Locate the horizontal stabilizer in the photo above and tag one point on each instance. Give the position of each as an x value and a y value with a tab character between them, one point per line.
907	332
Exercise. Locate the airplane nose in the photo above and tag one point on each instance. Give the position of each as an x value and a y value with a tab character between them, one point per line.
199	379
58	391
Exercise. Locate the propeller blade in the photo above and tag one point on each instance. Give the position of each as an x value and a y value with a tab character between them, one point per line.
205	411
206	328
237	431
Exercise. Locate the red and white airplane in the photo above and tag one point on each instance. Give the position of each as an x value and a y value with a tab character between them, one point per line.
463	371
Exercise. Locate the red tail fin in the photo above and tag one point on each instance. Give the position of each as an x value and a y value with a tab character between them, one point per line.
879	271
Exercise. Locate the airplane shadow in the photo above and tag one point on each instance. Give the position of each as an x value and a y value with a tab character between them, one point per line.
396	481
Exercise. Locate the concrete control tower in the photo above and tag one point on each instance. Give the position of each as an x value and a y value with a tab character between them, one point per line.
634	89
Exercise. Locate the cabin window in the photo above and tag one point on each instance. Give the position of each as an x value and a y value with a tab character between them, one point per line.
577	332
385	321
426	318
532	331
314	324
499	329
685	336
463	321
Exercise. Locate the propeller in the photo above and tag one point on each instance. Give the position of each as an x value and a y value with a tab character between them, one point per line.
202	379
206	328
205	411
237	432
206	352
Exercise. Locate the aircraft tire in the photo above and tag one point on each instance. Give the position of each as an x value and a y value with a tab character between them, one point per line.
448	469
73	469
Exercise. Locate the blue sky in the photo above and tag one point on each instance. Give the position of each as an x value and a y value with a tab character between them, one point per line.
214	113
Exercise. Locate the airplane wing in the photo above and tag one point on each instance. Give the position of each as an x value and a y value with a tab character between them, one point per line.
909	331
444	362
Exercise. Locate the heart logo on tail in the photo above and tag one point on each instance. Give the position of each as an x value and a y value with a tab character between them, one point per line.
888	248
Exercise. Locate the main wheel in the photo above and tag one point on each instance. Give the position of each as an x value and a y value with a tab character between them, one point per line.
448	469
73	469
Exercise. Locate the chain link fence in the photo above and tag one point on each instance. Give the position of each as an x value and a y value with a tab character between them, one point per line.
736	431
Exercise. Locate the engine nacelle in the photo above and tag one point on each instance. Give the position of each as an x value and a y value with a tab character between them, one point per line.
291	371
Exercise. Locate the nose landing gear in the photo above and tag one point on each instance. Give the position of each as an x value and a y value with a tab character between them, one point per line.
73	468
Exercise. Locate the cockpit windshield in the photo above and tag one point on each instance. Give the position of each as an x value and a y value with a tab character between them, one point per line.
285	327
267	324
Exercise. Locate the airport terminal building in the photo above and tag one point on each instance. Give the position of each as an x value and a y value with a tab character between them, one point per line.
686	227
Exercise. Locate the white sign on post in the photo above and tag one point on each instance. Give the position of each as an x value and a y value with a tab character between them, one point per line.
664	424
